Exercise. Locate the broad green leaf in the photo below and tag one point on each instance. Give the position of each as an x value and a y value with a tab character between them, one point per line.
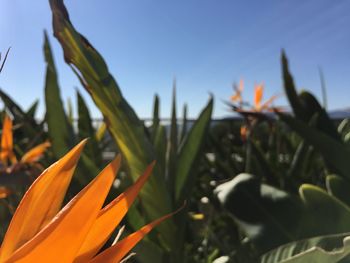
122	122
60	132
268	216
328	215
321	249
339	188
189	152
344	127
312	107
347	138
333	151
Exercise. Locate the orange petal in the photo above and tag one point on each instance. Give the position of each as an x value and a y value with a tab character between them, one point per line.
118	251
34	154
267	104
258	94
110	217
243	132
238	92
61	239
4	192
7	140
241	85
41	202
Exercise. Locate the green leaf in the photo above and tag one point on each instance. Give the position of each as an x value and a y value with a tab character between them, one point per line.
155	120
189	152
184	124
344	127
70	114
86	130
122	122
160	145
31	128
268	216
321	249
32	109
84	120
265	168
305	105
328	214
312	107
146	251
87	170
339	188
172	147
290	90
60	132
336	153
299	159
347	138
101	131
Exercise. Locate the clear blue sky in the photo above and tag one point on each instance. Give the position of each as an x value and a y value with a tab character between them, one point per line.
205	44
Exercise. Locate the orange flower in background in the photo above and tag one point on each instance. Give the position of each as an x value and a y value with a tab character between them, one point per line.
258	104
266	105
243	132
258	95
35	154
7	155
4	192
238	92
42	232
6	152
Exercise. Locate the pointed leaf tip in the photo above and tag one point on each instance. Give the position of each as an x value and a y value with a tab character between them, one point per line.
67	227
118	251
41	202
110	217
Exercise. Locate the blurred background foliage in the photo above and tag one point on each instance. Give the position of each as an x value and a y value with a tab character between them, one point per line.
271	185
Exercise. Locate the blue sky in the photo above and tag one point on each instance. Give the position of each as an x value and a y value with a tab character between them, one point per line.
207	45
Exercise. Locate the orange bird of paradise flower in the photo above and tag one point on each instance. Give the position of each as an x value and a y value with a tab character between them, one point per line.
258	96
7	156
40	231
258	105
